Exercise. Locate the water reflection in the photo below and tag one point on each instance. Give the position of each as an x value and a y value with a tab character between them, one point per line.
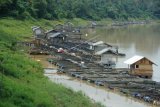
133	40
107	98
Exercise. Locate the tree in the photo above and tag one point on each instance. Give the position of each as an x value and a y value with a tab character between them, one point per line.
87	9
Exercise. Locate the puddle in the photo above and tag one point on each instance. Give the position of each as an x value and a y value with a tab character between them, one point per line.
105	97
43	60
50	71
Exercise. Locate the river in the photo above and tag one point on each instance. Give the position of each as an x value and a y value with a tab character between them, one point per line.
98	94
133	40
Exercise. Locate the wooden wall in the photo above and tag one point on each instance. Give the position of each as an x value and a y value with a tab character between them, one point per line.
144	68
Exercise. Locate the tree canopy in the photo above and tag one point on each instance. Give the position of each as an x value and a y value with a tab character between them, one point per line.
87	9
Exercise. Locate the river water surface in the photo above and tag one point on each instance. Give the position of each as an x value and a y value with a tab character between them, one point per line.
133	40
98	94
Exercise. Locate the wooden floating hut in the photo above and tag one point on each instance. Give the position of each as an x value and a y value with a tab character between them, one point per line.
93	45
140	66
38	32
56	38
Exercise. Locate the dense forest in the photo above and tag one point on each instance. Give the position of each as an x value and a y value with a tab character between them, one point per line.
86	9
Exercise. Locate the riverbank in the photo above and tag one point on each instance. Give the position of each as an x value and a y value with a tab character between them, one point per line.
22	83
25	25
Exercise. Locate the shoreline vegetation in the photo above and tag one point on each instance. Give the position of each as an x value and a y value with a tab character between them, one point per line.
22	83
77	22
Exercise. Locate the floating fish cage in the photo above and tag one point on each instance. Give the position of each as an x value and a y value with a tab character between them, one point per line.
78	60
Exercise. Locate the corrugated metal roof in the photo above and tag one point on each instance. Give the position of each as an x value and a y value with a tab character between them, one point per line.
102	51
35	28
134	59
97	43
52	30
54	35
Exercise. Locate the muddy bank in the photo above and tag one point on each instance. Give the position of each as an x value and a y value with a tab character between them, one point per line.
42	59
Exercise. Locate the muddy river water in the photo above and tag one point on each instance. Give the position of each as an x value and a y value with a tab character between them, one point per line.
132	40
98	94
